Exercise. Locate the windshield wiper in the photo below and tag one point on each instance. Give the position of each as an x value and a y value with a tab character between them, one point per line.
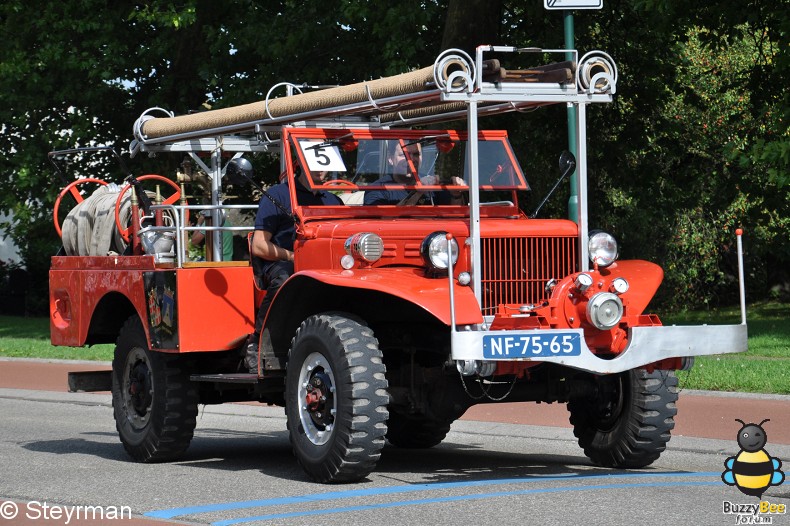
329	142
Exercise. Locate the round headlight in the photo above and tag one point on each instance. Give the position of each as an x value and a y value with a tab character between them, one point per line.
605	310
434	250
602	248
365	246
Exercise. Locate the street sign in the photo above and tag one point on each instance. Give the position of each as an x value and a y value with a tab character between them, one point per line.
572	4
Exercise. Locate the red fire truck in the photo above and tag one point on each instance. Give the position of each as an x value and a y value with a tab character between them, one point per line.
399	315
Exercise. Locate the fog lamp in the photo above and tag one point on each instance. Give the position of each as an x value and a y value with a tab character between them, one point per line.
365	246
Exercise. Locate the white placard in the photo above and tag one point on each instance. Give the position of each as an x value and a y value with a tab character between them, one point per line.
321	156
572	4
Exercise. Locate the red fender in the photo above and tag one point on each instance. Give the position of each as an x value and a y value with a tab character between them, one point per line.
410	284
644	278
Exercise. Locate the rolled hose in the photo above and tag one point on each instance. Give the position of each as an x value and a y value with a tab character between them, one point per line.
391	86
148	128
89	228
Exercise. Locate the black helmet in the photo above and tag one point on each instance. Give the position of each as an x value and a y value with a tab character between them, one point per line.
239	171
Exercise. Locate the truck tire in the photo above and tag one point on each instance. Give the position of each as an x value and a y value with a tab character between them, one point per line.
336	398
154	402
415	432
629	424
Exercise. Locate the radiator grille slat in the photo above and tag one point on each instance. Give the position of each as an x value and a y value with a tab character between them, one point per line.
515	270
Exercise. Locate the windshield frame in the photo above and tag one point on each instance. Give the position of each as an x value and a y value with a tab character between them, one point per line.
313	148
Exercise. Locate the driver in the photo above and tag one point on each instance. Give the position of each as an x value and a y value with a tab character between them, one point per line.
402	163
273	243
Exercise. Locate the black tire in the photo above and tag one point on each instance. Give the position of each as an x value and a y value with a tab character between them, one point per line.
415	431
630	422
337	438
154	402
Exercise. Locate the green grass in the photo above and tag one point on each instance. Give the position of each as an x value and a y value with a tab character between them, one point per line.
29	338
764	368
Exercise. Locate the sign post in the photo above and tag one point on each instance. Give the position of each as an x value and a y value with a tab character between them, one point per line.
567	7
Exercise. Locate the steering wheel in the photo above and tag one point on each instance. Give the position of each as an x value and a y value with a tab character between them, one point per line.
72	187
175	196
340	182
412	198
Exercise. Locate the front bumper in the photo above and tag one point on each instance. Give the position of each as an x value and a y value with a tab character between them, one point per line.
646	345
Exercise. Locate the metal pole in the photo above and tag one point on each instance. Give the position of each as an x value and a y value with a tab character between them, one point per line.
573	201
452	281
581	185
741	285
216	199
474	200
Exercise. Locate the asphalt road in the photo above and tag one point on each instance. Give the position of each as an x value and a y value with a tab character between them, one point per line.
61	450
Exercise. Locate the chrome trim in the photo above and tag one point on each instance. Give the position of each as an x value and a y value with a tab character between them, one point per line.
646	345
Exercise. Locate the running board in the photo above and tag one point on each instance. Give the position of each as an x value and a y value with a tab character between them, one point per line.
93	381
229	378
90	381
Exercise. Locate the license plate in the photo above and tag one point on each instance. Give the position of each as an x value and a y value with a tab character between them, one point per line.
525	346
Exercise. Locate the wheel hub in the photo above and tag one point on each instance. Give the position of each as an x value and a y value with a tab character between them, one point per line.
317	399
138	389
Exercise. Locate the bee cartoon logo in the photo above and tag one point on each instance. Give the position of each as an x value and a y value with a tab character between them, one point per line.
752	470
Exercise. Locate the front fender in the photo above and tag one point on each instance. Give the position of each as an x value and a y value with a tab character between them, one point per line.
644	277
407	283
390	295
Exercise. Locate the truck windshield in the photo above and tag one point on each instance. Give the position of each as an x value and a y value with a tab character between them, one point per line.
429	162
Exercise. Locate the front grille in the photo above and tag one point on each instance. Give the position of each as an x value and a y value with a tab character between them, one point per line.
515	270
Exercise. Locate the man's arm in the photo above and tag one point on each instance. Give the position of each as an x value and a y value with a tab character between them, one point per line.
263	247
198	236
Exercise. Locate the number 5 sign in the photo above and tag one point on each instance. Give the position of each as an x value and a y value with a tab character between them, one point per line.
322	157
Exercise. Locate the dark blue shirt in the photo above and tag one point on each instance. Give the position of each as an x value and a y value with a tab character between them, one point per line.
384	197
272	219
396	195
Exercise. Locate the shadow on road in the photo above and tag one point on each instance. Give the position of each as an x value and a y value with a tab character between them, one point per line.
270	454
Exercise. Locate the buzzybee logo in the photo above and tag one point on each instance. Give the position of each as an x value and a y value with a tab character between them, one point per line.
752	470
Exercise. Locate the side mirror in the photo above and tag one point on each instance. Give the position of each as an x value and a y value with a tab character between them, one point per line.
567	166
239	172
567	162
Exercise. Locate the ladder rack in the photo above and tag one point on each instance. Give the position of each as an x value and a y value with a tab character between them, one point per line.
438	93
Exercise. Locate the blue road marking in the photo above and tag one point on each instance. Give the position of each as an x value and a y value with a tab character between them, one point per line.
454	498
394	490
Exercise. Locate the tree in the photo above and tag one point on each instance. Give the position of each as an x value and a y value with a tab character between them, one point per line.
80	72
471	23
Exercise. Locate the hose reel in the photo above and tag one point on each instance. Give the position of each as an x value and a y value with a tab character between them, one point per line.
454	70
597	73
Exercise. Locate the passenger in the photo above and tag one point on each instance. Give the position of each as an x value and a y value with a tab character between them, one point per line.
199	236
273	243
401	173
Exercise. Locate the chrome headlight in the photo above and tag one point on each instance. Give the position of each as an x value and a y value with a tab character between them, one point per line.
365	246
434	250
605	310
602	248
